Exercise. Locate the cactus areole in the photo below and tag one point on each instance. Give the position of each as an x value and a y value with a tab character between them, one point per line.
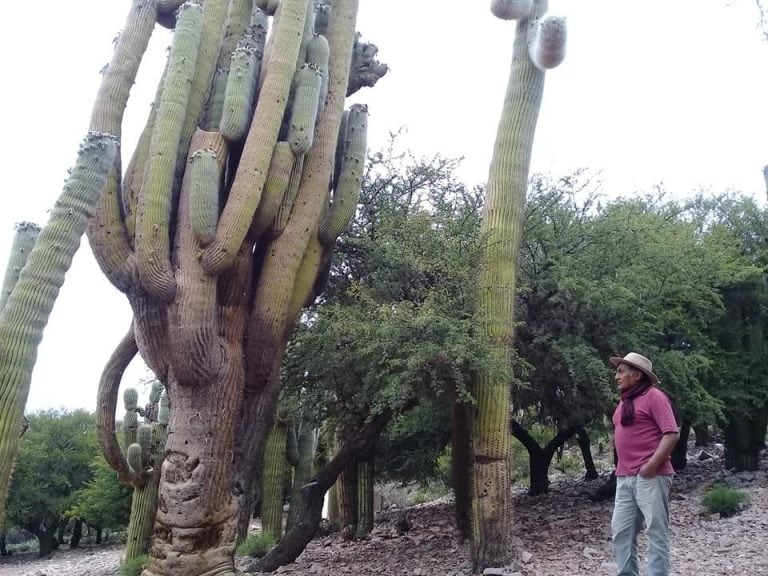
501	226
212	235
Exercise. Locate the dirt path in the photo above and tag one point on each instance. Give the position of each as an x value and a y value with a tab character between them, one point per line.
561	533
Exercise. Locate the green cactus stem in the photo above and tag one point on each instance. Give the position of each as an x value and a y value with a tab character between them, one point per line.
318	53
501	226
547	45
204	195
304	468
301	127
28	308
272	481
23	242
350	179
275	187
251	173
511	9
286	205
152	232
240	93
214	108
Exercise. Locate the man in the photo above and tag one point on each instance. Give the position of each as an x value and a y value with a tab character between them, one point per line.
645	432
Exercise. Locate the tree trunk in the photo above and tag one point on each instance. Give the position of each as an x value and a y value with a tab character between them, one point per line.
540	458
77	534
346	490
365	474
586	453
461	467
98	534
702	435
744	439
60	534
3	548
46	539
680	452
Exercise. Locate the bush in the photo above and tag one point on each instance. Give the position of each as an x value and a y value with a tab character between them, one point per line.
256	545
134	566
725	501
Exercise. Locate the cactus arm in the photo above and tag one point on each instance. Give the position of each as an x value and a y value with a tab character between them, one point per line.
240	93
106	405
286	204
269	320
301	128
350	179
23	242
317	54
107	115
252	171
193	320
239	15
275	187
511	9
303	290
108	237
547	43
28	308
108	240
205	177
152	233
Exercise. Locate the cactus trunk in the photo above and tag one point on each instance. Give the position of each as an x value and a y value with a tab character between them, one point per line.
365	469
501	227
272	495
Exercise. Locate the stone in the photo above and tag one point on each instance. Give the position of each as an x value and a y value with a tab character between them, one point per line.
526	557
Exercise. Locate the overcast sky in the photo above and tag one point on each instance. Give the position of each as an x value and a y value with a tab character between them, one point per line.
659	91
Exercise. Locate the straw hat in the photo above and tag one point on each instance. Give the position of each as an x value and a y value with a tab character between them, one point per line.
637	361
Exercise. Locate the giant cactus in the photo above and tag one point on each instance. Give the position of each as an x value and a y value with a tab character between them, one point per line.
539	43
213	237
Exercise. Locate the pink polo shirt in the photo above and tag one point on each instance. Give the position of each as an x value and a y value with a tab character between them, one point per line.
636	443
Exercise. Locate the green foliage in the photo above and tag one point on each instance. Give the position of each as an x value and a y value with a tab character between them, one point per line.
134	566
103	501
412	446
256	545
54	463
725	501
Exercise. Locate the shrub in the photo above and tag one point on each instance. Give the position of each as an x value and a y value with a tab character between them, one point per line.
134	566
725	501
256	545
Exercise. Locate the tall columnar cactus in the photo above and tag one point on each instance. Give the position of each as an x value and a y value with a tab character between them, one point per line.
272	492
539	43
213	236
23	242
28	307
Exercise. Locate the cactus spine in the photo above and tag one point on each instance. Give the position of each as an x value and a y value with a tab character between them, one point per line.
501	225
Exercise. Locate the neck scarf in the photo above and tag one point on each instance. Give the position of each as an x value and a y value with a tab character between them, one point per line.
628	402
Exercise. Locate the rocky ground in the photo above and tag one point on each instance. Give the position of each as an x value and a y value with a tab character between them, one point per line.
561	533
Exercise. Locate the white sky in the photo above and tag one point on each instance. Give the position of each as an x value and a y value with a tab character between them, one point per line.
670	91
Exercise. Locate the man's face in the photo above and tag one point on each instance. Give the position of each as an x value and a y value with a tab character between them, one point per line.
626	377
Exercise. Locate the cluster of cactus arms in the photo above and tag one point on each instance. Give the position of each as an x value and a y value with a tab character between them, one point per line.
539	44
219	231
143	451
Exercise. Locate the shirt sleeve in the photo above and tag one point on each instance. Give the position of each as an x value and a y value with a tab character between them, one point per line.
663	414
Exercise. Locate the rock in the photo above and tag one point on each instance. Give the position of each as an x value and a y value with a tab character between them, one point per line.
704	455
590	553
494	572
526	557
